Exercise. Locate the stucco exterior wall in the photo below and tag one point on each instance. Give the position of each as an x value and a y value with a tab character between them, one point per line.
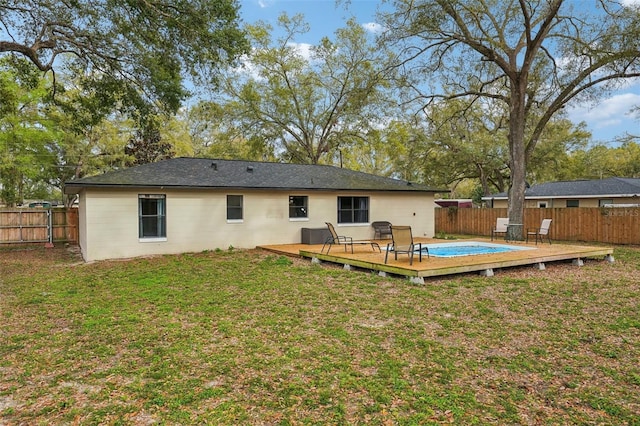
82	225
562	202
196	220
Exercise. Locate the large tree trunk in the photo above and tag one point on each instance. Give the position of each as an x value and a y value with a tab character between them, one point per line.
518	163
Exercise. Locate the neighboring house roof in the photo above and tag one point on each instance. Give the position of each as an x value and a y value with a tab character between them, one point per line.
599	188
236	174
454	202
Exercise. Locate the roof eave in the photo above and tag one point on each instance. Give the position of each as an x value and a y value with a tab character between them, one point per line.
72	188
548	197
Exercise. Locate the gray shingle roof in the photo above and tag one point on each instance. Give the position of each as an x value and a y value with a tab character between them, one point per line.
237	174
610	187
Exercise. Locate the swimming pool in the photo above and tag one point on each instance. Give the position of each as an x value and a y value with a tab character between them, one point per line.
470	248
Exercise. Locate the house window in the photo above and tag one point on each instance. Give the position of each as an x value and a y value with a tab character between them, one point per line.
605	202
234	207
573	203
353	209
152	216
298	206
542	204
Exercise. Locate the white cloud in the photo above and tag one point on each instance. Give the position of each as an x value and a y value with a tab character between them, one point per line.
610	118
631	3
614	122
303	49
607	113
250	70
373	27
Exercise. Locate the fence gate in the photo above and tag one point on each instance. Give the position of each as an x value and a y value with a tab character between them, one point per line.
26	226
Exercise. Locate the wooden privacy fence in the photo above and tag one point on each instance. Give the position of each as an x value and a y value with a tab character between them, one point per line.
22	226
599	224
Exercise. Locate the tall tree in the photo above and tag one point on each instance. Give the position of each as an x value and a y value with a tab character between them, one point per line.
25	128
558	143
214	133
147	146
307	105
406	146
630	152
145	48
93	138
470	141
535	56
600	162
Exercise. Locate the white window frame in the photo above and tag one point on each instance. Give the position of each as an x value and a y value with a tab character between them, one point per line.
161	218
240	208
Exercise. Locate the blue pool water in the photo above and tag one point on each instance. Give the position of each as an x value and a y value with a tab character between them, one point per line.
470	248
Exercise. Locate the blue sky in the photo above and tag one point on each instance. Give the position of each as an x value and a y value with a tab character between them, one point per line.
606	119
323	16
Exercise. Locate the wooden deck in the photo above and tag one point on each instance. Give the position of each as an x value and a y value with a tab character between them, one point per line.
364	257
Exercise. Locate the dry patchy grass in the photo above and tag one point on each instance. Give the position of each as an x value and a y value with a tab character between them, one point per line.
247	337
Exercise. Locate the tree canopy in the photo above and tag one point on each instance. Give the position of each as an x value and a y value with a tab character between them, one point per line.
145	49
467	61
305	106
25	129
533	56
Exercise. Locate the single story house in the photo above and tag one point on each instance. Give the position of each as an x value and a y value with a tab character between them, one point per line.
195	204
610	192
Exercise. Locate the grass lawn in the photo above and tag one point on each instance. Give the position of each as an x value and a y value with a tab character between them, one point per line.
248	337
